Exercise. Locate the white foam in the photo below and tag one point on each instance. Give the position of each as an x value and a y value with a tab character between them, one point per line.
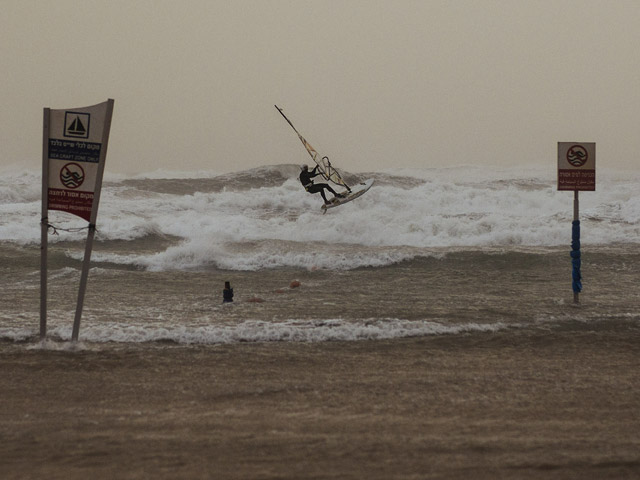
253	331
261	227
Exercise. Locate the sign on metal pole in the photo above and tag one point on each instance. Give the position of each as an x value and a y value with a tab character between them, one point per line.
576	171
74	152
576	166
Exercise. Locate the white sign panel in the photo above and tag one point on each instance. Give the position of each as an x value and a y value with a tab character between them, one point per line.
76	147
576	166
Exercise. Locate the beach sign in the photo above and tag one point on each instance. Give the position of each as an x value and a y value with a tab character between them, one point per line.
576	172
576	166
75	146
74	149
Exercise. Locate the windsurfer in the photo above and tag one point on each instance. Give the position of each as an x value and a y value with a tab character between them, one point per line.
307	182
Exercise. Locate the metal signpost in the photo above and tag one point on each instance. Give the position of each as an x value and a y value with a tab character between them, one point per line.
74	150
576	171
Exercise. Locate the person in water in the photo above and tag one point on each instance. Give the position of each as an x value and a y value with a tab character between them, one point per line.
227	293
309	186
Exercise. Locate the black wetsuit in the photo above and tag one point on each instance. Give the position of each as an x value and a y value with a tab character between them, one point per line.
227	295
309	186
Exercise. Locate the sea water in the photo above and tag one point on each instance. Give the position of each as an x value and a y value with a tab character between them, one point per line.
424	252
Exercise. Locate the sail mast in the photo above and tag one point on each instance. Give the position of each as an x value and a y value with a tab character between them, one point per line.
326	169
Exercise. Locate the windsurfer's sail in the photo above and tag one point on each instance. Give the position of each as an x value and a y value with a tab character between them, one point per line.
324	164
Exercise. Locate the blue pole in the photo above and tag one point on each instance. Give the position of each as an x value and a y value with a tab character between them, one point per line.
575	256
575	251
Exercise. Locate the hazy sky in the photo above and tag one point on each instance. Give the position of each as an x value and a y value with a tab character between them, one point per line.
372	84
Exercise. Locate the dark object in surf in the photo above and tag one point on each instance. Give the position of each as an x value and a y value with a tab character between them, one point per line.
227	293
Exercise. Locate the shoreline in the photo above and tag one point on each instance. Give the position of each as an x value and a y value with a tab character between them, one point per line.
510	404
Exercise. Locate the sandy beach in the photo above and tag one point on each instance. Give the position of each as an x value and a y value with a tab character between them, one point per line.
512	404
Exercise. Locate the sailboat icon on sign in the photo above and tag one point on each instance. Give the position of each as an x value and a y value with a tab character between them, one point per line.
77	128
76	125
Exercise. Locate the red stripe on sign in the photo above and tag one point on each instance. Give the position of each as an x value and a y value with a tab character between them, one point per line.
72	201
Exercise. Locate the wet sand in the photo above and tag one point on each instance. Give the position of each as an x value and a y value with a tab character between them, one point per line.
521	403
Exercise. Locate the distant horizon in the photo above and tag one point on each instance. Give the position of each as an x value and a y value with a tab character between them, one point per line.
546	171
